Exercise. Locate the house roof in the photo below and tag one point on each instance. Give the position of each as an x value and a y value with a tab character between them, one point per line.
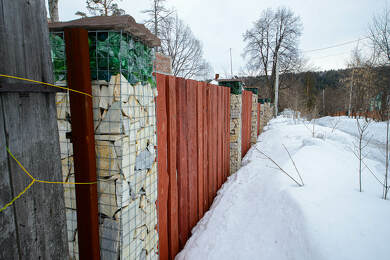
229	80
125	22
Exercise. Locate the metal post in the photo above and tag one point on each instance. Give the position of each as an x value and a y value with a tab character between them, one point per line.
79	78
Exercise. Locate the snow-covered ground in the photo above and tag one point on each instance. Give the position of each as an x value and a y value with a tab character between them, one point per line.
260	213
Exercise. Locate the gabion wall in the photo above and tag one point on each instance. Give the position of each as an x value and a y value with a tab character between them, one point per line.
235	132
124	92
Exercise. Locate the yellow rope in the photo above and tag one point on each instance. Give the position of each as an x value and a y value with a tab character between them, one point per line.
17	197
20	165
43	83
36	180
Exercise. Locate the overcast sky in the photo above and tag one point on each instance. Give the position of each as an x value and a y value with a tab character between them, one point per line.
219	24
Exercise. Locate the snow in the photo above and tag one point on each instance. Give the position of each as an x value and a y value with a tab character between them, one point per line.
260	213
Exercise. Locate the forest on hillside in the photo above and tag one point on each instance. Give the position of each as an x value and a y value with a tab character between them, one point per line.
327	92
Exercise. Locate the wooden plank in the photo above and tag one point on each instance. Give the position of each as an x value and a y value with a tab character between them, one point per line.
210	132
215	138
173	207
258	118
83	139
228	132
223	134
28	127
246	120
182	165
205	147
200	132
32	137
163	178
192	153
8	223
219	137
225	115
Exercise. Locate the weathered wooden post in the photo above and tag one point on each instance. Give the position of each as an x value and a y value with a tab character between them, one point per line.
34	226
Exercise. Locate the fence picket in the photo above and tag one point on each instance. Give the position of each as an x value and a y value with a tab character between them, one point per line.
173	221
182	167
163	178
192	152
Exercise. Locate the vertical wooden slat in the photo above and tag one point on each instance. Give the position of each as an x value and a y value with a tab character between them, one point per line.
173	220
258	118
211	143
192	153
228	132
163	178
246	120
227	129
210	131
215	138
243	123
217	130
35	225
200	132
223	133
219	136
83	139
205	147
182	166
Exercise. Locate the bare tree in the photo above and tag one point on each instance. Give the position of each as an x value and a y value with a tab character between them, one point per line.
274	36
361	82
379	33
362	142
178	42
53	10
157	13
334	123
104	7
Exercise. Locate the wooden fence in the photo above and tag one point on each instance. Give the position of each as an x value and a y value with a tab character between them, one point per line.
258	118
246	122
193	135
368	114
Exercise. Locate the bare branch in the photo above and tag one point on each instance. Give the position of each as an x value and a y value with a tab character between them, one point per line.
280	168
296	169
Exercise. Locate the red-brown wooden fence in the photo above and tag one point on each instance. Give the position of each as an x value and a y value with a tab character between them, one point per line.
193	133
246	122
258	118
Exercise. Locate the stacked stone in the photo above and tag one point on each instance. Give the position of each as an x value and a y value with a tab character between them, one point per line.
254	120
266	114
125	142
235	132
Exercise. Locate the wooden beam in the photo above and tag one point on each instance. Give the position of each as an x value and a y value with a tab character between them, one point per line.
83	139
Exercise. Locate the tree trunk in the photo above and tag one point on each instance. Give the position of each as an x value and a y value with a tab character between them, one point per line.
53	10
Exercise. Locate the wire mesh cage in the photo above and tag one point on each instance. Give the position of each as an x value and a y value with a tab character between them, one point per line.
124	91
